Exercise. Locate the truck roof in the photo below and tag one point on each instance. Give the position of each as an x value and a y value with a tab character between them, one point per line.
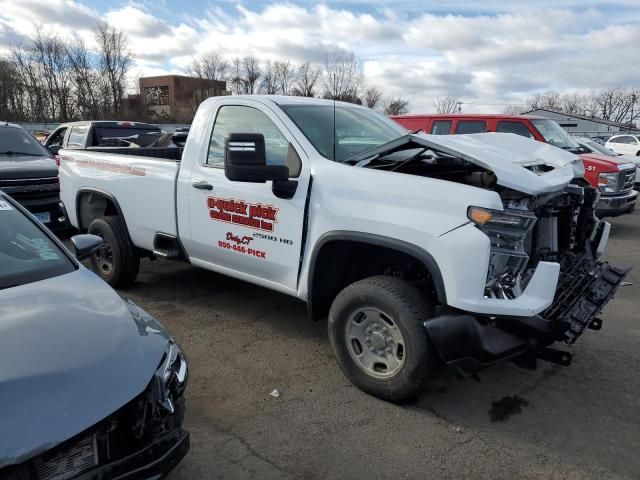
291	100
471	116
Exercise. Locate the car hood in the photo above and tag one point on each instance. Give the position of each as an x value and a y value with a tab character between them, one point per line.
26	166
71	353
510	157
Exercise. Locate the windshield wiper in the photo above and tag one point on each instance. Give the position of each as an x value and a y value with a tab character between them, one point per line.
10	152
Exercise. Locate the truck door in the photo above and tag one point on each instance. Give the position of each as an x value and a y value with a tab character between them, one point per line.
243	229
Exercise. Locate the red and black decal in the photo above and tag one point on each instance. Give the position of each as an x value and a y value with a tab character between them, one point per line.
253	215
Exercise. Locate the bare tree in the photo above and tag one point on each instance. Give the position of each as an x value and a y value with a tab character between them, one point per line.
573	103
514	109
618	104
306	80
251	74
284	75
372	97
86	80
396	106
115	59
448	104
210	65
268	84
343	77
549	100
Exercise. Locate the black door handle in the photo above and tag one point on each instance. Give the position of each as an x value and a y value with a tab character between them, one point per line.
202	185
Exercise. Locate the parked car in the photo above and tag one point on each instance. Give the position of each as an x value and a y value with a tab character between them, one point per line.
91	385
624	144
29	174
473	249
618	196
592	146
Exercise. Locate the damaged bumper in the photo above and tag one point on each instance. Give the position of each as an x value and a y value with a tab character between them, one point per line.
152	462
471	341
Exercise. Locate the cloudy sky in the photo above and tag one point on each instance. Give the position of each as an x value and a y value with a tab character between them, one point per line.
489	53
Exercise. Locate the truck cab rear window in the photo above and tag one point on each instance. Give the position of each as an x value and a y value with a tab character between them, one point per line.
471	126
441	127
518	128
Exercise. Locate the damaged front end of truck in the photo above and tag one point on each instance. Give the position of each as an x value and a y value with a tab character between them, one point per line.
547	233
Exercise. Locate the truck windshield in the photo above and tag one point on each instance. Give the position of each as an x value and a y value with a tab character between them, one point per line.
555	135
356	129
600	148
17	141
27	254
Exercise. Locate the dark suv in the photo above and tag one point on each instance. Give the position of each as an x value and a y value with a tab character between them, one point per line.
29	174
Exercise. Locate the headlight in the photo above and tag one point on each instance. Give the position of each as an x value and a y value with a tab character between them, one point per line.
507	232
170	379
608	182
578	169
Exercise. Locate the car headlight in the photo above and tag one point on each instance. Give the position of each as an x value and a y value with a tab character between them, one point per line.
507	232
170	379
578	169
608	182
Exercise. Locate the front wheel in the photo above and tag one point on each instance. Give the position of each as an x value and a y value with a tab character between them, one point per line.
377	334
115	261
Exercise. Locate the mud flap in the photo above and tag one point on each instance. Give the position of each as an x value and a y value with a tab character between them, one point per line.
583	292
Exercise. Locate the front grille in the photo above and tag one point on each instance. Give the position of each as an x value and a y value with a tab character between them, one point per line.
69	462
627	179
31	188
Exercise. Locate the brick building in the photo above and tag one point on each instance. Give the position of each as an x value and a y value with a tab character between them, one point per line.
170	98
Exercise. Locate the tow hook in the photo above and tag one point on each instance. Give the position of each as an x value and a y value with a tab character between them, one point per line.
555	356
595	324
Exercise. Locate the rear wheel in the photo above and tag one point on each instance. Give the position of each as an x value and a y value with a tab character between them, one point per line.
115	261
377	334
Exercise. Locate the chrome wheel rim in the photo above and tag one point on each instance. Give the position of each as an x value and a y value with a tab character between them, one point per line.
375	342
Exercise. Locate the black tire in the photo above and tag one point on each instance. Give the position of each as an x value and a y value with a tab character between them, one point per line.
408	307
125	264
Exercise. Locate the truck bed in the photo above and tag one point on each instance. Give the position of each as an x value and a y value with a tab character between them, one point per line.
131	179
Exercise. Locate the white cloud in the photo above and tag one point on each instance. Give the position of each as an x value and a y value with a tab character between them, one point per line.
417	49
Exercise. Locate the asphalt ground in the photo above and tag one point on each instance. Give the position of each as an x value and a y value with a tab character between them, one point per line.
243	341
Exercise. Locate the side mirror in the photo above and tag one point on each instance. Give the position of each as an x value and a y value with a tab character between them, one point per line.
54	149
245	160
84	245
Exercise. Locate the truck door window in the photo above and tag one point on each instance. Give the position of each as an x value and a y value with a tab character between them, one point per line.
518	128
57	137
241	119
471	126
77	136
441	127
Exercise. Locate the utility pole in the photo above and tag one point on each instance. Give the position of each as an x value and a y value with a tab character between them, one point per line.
633	102
459	107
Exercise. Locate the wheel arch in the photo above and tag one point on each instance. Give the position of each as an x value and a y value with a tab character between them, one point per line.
92	203
317	298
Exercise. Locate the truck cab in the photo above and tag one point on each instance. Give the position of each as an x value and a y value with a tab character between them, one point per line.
606	173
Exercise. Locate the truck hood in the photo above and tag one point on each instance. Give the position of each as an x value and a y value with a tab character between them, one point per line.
510	157
605	163
15	167
72	352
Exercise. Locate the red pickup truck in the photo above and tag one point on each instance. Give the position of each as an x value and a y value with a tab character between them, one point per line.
614	178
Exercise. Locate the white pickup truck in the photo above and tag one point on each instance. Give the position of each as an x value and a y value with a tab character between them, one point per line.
468	249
